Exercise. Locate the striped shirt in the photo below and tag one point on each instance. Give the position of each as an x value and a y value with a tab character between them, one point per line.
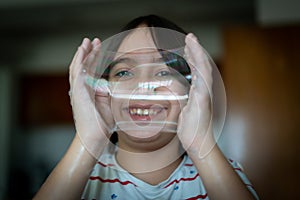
109	181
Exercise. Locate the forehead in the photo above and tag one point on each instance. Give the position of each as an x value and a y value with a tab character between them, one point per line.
138	39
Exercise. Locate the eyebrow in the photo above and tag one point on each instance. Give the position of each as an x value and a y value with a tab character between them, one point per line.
120	60
131	60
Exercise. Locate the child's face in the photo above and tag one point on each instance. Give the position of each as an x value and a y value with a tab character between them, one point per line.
144	89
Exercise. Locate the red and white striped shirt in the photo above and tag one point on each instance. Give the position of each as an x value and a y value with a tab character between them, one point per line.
109	181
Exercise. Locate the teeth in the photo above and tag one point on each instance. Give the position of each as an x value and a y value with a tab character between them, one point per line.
131	111
146	112
140	111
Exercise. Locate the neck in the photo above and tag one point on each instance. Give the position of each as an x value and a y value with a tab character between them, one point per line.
135	161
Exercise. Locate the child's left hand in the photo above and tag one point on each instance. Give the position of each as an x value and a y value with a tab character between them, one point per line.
195	120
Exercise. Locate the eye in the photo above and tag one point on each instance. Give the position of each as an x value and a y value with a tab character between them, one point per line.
163	73
124	73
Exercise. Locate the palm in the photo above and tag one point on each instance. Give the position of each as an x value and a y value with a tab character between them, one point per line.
88	106
195	119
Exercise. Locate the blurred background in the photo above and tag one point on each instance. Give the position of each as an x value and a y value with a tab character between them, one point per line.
255	44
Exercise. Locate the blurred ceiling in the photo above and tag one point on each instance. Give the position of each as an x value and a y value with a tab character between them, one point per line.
26	22
52	16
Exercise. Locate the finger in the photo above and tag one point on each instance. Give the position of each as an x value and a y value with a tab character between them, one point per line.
191	100
194	46
77	67
72	66
93	57
96	49
80	53
198	60
77	60
96	42
196	53
75	57
190	54
87	45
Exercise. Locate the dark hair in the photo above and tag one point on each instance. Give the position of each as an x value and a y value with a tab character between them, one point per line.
153	21
160	41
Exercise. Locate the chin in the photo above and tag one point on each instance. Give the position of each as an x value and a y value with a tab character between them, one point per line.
143	134
159	138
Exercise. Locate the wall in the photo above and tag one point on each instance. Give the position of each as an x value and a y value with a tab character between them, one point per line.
261	73
5	127
278	12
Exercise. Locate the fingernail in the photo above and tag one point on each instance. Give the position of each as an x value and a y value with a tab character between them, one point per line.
96	43
85	42
193	37
96	40
190	35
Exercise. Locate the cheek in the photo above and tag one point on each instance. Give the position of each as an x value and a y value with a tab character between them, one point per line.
179	88
175	109
102	103
119	108
182	89
117	105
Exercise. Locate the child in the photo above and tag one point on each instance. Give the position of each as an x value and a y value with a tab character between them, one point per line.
148	161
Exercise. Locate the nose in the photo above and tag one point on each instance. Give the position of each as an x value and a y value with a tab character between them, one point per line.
147	81
144	79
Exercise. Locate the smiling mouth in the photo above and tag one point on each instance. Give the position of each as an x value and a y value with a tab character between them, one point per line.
145	112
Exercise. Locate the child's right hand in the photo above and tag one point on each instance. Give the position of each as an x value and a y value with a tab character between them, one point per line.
88	104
